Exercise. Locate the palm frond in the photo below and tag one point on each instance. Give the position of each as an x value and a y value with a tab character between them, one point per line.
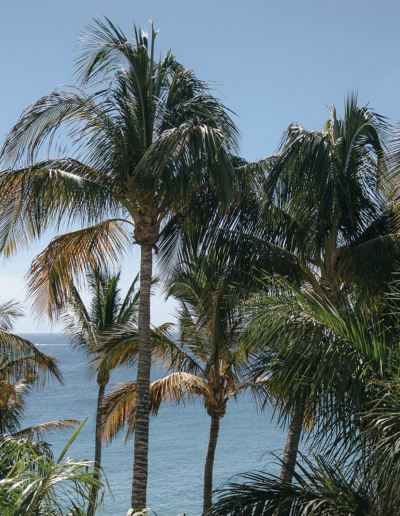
25	358
119	408
321	488
38	431
72	255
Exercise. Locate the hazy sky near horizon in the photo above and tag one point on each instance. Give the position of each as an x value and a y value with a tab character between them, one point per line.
271	62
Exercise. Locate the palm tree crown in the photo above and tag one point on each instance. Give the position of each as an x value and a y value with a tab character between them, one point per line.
328	185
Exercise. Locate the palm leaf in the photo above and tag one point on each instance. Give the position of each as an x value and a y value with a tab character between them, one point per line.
38	431
68	256
119	408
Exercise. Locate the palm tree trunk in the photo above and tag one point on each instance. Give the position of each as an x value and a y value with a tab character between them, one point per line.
97	449
292	442
141	446
208	470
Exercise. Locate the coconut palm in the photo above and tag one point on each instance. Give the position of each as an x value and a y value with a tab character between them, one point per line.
87	326
203	361
322	218
144	143
330	186
321	208
297	330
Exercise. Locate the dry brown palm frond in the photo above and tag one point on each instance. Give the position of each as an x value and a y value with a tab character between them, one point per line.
119	407
46	428
7	391
177	387
73	255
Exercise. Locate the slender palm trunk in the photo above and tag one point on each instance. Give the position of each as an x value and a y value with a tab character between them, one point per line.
139	485
208	470
292	442
97	449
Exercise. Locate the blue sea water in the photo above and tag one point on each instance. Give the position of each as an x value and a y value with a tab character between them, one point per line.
178	437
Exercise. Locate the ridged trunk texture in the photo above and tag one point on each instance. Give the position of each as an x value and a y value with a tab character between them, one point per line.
292	442
141	446
97	449
208	470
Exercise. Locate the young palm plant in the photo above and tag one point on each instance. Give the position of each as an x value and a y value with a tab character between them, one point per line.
33	484
202	361
87	326
145	141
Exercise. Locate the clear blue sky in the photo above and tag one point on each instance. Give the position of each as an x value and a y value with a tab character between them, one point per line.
273	62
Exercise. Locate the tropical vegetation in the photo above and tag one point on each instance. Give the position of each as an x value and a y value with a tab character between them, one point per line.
203	358
150	136
284	272
23	366
32	483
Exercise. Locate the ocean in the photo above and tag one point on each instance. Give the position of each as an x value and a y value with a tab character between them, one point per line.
178	437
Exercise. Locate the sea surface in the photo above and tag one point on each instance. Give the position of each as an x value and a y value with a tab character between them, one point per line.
178	437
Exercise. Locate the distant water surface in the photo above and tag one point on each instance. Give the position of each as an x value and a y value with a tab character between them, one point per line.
178	437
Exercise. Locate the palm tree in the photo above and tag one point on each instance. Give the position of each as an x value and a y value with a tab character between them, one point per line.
321	218
87	326
351	369
204	355
324	354
22	366
329	185
145	142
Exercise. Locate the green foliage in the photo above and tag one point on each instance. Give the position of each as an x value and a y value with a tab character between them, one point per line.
33	484
344	360
320	488
104	320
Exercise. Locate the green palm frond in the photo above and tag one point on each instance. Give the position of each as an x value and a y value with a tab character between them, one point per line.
10	311
19	358
325	350
321	488
107	330
330	180
22	365
32	483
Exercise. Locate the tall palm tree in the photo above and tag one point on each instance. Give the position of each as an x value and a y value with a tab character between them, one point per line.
205	356
87	326
321	218
329	184
144	143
